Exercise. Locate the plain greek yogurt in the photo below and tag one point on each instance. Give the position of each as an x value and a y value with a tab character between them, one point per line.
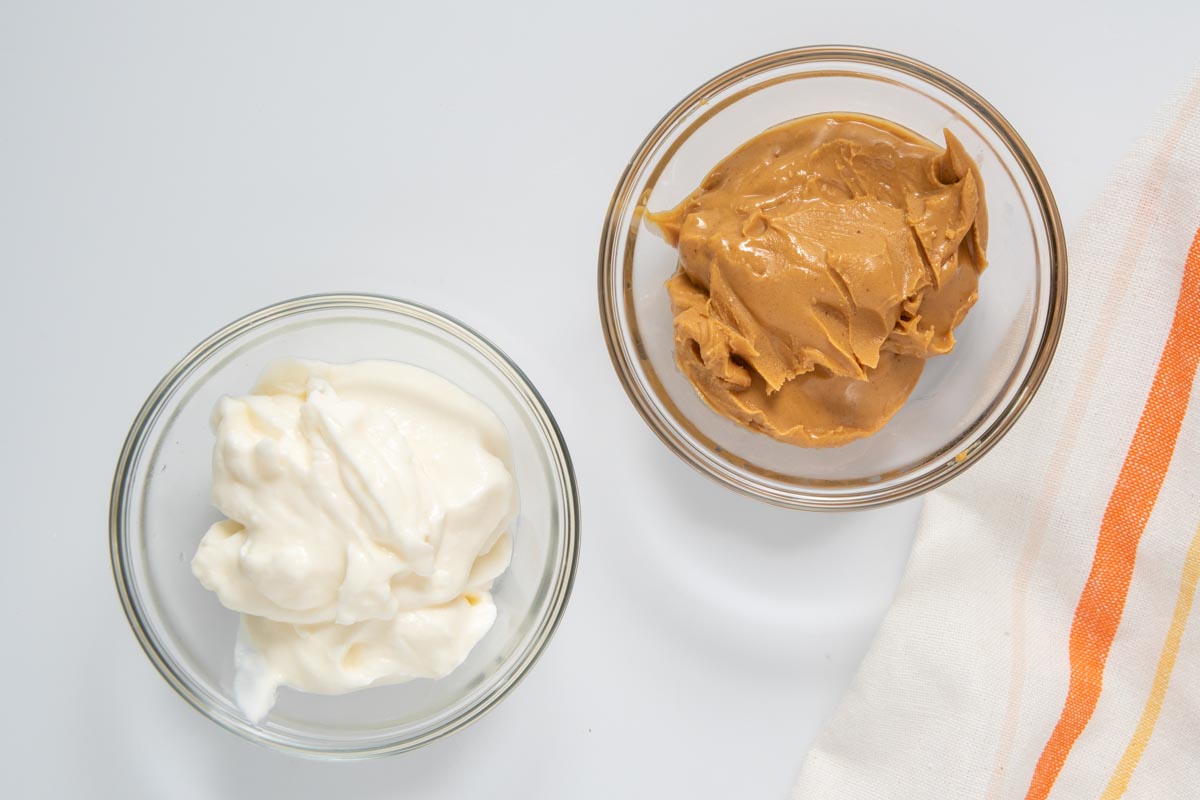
369	508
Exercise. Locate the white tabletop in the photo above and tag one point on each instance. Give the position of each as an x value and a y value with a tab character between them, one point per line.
164	169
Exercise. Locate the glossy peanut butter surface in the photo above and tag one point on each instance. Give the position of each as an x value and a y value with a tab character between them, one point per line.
820	264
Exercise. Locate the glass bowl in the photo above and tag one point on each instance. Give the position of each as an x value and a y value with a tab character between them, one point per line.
964	402
160	509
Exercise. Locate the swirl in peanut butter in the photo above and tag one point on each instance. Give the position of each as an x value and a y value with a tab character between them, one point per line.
820	264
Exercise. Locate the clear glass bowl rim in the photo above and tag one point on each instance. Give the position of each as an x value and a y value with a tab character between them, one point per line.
123	487
611	274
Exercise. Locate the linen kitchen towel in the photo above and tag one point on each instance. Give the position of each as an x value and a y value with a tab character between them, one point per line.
1043	642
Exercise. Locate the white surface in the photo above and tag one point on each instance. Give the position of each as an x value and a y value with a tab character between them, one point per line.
151	155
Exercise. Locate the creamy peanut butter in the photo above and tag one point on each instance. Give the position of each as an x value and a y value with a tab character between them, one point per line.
820	264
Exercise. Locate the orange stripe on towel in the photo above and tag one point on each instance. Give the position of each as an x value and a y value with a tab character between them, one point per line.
1103	600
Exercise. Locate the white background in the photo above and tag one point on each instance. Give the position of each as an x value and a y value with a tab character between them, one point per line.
165	168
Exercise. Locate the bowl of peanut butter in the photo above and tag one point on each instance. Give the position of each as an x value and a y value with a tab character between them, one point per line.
832	278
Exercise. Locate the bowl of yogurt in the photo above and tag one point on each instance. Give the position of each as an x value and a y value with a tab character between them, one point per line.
344	526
